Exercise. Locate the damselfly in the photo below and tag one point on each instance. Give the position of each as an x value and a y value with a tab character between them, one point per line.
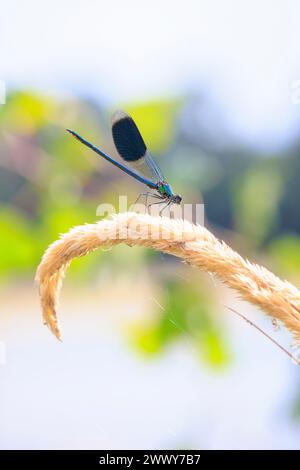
132	148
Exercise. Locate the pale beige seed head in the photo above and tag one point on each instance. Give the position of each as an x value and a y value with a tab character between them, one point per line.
193	243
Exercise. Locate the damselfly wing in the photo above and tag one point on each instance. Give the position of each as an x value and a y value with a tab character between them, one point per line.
132	148
138	162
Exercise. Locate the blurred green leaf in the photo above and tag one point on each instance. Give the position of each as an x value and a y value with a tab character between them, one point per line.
26	112
19	252
285	253
187	313
255	200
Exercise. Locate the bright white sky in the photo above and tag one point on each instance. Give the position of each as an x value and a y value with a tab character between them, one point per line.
247	52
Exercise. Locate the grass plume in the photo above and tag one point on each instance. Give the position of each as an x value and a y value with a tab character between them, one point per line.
193	243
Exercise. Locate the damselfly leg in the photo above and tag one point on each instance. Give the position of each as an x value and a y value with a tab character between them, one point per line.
161	200
147	195
167	205
146	199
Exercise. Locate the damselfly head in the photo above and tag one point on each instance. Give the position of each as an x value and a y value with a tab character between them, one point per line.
176	199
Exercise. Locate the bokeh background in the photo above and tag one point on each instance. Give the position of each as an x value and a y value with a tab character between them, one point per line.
151	356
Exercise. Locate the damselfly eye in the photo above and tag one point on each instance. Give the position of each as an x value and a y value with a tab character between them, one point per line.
177	199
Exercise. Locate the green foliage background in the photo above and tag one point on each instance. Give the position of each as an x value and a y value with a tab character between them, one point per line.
49	183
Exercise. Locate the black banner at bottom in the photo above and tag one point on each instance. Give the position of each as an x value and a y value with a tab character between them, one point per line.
135	458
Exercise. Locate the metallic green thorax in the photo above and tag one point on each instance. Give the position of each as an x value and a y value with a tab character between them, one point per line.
164	189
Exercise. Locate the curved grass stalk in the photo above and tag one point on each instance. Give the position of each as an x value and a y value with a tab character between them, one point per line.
193	243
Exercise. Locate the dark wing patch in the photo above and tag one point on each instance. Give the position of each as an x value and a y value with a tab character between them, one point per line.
127	139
